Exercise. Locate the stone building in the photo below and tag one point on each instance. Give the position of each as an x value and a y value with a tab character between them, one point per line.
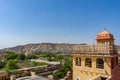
4	75
96	62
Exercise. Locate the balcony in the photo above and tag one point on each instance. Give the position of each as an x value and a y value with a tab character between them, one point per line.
94	49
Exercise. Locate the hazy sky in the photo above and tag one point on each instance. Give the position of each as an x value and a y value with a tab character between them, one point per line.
57	21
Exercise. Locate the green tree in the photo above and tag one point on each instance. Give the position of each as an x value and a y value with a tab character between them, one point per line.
10	55
67	66
34	63
21	56
13	72
11	65
59	75
38	63
2	64
31	57
46	55
59	57
41	63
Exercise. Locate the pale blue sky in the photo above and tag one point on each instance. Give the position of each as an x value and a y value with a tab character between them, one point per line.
57	21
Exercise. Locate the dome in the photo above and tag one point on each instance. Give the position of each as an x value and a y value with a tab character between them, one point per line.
104	35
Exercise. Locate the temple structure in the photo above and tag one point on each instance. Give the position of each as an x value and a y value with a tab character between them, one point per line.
96	62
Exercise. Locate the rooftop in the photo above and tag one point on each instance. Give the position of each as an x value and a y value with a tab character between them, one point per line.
3	72
103	49
32	78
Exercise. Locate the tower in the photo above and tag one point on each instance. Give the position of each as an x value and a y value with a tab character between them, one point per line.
96	62
105	37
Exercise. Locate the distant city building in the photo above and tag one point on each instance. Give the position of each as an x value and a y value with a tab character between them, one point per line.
3	75
96	62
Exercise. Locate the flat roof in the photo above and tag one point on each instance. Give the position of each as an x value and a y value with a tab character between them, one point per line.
32	78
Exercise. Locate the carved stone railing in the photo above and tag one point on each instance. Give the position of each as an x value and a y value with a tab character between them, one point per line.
99	48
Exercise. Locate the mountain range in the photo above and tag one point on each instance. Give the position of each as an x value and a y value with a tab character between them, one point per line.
41	47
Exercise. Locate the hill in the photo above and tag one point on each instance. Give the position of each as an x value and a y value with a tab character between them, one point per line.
42	47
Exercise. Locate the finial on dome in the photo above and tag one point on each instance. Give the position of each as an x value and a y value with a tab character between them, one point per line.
104	29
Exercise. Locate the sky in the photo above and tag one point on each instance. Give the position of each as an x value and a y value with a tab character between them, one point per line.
57	21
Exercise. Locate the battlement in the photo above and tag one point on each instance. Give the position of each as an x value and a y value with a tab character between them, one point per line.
94	49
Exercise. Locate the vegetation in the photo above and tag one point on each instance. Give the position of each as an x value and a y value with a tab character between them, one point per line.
21	56
11	65
15	61
12	72
59	75
24	63
67	66
66	61
2	64
38	63
59	57
31	56
47	55
10	55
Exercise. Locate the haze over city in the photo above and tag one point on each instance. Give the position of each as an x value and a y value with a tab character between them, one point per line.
57	21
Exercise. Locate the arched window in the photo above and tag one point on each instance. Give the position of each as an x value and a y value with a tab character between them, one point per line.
100	63
78	61
2	77
5	77
88	62
78	78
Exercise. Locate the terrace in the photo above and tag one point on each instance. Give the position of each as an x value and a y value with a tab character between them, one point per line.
103	49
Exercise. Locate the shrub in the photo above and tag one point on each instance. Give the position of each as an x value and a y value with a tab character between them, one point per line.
59	75
11	65
38	63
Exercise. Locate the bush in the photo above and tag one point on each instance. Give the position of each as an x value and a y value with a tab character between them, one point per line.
46	55
67	66
11	65
34	63
31	57
2	64
21	56
59	57
59	75
12	72
10	55
38	63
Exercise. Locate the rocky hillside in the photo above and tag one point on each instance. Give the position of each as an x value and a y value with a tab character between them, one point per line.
43	47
